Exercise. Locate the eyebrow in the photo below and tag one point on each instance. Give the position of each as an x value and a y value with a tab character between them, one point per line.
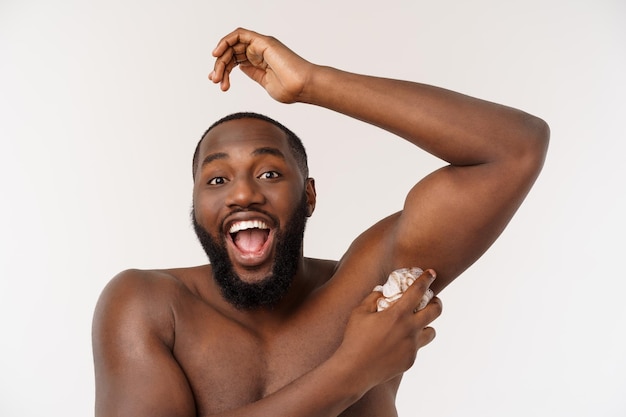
268	151
257	152
212	157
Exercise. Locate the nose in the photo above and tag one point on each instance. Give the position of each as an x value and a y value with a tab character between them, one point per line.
244	192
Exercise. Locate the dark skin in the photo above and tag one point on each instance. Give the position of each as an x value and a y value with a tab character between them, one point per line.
167	344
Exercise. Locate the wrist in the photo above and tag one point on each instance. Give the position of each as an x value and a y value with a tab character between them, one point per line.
317	85
351	376
348	382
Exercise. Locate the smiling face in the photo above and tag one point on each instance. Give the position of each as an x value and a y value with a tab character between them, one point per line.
251	201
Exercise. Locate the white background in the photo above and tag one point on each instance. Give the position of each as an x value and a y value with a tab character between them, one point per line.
101	105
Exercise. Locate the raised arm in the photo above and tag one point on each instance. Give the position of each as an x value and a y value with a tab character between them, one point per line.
453	215
138	374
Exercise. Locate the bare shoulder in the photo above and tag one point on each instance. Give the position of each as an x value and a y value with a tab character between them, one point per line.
143	298
128	283
133	335
321	269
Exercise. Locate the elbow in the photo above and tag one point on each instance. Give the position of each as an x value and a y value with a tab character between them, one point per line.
534	144
540	135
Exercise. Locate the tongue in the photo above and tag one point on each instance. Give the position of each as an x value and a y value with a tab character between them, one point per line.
250	240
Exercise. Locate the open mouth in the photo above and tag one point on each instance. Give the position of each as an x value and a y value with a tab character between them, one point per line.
250	237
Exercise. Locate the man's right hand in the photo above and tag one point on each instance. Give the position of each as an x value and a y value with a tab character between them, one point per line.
384	344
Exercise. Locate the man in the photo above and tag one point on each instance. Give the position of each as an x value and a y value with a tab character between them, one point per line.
264	331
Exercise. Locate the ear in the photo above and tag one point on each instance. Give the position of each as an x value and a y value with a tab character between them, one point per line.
311	195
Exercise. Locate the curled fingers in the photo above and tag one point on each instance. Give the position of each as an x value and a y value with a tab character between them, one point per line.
418	294
423	318
229	52
420	304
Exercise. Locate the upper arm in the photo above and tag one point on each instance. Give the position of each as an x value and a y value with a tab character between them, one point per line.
136	373
449	219
452	216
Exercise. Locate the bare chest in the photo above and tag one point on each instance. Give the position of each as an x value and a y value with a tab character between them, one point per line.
229	365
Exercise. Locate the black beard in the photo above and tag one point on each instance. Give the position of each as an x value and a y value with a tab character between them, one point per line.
271	289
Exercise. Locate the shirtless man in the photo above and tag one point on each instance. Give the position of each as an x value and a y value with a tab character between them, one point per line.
265	331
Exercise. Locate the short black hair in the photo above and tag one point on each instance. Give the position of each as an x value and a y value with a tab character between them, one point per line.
295	144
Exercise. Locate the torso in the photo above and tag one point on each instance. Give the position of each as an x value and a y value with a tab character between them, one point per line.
230	361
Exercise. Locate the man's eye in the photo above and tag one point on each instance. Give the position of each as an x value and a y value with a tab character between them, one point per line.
269	175
217	181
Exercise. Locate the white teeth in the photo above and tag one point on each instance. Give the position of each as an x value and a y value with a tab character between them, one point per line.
247	224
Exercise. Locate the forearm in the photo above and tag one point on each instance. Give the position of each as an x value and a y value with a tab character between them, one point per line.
459	129
454	127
